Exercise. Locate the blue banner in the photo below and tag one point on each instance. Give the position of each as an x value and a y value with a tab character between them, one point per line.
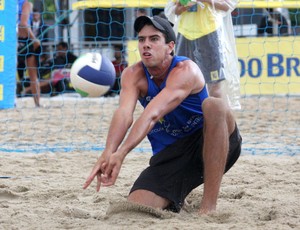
8	51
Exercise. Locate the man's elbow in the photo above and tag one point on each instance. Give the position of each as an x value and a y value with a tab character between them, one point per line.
155	117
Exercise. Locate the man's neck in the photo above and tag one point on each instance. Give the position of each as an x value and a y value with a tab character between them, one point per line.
160	72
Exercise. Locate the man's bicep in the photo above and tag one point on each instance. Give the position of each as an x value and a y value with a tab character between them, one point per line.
173	94
166	101
128	98
180	86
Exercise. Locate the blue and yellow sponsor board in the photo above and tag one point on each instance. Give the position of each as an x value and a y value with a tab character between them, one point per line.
2	33
1	92
268	65
8	43
2	2
133	52
1	64
161	4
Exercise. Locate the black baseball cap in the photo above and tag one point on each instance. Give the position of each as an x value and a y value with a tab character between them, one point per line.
162	24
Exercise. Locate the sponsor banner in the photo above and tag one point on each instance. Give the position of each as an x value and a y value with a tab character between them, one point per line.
162	3
2	33
2	4
8	49
268	65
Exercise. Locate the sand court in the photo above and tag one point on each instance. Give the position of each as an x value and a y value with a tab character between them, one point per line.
46	155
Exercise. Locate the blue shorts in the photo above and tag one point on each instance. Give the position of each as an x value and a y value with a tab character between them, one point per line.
178	169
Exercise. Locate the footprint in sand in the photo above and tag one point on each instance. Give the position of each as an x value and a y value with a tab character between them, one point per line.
21	189
7	195
76	213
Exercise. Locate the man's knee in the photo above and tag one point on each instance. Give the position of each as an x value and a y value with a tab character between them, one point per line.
213	106
216	111
148	198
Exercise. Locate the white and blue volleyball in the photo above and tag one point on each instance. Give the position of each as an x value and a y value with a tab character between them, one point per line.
92	75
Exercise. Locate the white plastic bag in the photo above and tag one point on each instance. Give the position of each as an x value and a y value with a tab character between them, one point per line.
169	11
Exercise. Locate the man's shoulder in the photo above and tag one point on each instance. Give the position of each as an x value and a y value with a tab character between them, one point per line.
182	61
135	68
185	67
134	71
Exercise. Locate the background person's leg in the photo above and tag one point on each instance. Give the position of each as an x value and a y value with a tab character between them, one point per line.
34	81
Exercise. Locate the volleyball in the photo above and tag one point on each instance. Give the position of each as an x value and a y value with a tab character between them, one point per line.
92	75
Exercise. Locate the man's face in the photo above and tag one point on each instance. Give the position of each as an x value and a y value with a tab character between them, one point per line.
118	53
36	16
152	46
60	51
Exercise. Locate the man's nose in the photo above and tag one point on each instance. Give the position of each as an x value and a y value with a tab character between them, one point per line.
146	43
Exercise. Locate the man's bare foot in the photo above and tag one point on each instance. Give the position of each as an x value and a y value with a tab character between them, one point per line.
206	209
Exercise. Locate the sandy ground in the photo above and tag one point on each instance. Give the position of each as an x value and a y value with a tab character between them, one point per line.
47	153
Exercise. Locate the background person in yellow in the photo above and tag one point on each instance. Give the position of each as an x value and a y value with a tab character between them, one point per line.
205	35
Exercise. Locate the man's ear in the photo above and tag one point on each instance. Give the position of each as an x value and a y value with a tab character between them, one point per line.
171	47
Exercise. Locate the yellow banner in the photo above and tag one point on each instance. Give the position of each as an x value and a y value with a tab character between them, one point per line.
2	33
1	63
269	4
268	65
2	4
1	92
133	52
161	4
119	4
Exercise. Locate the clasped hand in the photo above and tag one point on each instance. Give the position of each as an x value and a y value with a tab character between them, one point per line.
106	169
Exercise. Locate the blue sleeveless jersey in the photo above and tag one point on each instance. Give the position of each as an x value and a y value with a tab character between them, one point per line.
179	123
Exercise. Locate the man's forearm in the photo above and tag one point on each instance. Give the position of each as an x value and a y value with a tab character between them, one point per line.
117	131
139	131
